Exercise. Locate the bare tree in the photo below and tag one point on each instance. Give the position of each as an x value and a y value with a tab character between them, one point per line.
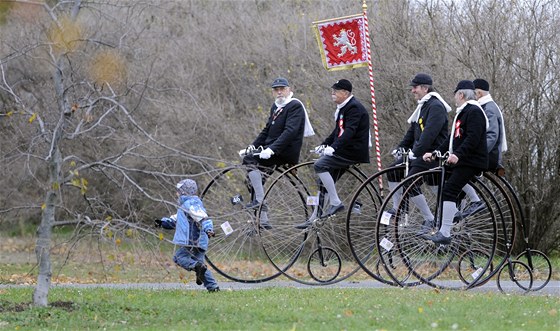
75	87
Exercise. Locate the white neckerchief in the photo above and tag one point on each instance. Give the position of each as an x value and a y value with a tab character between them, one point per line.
308	131
339	106
416	114
470	102
503	143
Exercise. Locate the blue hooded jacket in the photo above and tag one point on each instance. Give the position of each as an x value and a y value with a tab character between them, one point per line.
192	223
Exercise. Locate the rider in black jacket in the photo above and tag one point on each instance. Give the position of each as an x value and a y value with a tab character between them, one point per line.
468	155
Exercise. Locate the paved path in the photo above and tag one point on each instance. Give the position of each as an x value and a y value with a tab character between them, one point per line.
552	288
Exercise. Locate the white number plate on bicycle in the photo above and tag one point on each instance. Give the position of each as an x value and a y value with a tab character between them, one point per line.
386	218
477	273
226	227
385	243
313	200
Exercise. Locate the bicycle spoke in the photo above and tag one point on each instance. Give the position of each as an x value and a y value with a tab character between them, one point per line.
237	255
361	224
292	241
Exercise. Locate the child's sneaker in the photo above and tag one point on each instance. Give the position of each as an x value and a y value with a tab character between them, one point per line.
200	269
215	289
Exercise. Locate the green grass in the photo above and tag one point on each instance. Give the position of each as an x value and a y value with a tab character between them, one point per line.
94	261
277	309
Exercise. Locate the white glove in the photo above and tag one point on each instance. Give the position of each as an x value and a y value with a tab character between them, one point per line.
411	156
266	154
395	153
328	151
319	149
246	151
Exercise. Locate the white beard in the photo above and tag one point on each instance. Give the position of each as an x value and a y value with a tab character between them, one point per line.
280	100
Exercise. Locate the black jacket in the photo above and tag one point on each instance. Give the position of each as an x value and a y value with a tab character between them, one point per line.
430	131
283	132
469	141
493	134
350	137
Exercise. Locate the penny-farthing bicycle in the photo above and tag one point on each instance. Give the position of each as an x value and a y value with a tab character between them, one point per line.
303	243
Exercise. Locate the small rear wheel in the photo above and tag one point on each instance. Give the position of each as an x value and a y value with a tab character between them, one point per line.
515	278
540	267
324	264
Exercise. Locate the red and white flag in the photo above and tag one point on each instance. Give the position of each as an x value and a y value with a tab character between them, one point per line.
342	42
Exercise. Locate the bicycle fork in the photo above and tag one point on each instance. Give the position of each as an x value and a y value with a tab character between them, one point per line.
320	250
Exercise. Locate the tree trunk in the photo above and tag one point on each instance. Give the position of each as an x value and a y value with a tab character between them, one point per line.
42	248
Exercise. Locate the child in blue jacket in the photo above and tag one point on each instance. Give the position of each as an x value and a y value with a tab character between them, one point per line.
192	230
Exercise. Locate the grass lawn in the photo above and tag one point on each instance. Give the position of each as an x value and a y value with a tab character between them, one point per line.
90	261
277	309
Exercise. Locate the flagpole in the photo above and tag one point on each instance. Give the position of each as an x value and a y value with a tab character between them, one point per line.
372	89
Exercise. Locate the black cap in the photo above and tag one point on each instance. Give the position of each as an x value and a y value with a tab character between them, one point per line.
421	79
464	85
480	83
342	84
280	82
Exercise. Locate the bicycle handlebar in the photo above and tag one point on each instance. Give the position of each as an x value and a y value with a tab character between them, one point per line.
251	151
437	155
441	157
401	151
318	150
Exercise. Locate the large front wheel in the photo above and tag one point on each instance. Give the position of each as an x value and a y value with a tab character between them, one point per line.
407	231
236	251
